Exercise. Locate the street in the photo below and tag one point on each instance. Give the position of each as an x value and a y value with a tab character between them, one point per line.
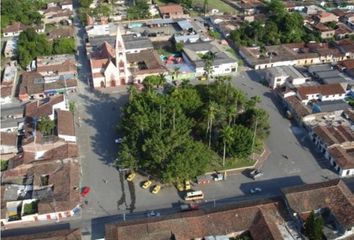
112	198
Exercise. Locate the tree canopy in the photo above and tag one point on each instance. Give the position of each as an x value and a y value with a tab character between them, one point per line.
313	227
23	11
139	10
176	133
46	126
32	45
280	27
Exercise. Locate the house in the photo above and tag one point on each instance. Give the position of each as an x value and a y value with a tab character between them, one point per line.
335	107
325	92
66	4
56	14
8	143
65	125
325	17
171	11
45	107
343	31
222	63
324	31
327	138
332	200
342	159
279	76
11	47
144	63
135	44
35	86
8	83
348	19
62	64
295	54
52	187
11	117
63	32
258	220
14	29
295	109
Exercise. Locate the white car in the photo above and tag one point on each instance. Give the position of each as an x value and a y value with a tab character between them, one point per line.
255	190
118	140
153	214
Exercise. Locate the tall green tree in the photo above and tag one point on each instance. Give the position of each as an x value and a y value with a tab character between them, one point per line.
313	227
46	126
227	138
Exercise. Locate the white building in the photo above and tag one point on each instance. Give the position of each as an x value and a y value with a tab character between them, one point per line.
280	76
325	92
222	63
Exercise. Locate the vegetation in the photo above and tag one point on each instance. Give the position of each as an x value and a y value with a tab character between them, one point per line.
185	3
30	208
3	165
139	10
23	11
72	106
280	27
179	46
178	134
46	126
313	227
32	45
214	34
213	4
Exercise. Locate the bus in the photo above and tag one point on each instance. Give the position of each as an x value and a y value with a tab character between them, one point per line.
195	195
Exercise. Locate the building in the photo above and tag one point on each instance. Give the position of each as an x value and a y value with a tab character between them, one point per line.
46	107
65	125
51	187
11	47
335	107
135	44
55	15
144	63
62	64
14	29
328	138
325	92
222	63
324	31
296	54
8	144
35	86
332	200
171	11
66	4
342	159
325	17
259	220
63	32
279	76
8	83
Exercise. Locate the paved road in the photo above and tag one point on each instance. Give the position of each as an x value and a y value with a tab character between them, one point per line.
97	114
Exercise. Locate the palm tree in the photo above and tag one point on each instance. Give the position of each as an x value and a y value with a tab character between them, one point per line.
227	136
162	79
212	109
208	59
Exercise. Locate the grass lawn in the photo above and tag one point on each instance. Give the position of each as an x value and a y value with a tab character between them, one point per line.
214	4
229	164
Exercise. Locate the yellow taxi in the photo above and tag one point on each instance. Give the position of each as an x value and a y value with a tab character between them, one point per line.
180	187
156	189
147	184
187	185
131	177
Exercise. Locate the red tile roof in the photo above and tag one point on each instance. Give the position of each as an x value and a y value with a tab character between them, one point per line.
42	109
72	234
334	135
343	157
8	139
15	27
65	123
171	8
333	194
261	219
325	90
347	64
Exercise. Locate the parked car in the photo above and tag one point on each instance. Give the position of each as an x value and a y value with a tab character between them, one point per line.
131	177
180	187
156	189
153	214
218	177
255	190
118	140
189	207
147	184
187	185
256	173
